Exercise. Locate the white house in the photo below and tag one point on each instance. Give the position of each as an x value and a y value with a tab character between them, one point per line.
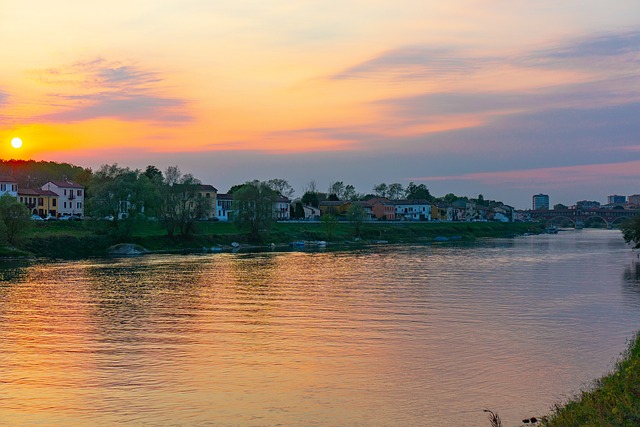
9	186
70	197
312	213
281	208
224	204
413	210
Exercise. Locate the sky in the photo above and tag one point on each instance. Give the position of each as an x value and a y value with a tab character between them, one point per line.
501	98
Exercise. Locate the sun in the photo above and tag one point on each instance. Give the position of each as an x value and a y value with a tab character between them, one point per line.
16	142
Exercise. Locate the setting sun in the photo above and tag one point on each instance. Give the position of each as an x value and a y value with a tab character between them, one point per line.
16	143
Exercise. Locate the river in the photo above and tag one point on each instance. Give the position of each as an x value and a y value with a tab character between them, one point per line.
385	336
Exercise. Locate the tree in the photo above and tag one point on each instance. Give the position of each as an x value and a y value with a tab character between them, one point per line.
356	215
330	223
394	191
337	188
253	207
181	203
380	190
282	187
560	206
350	192
631	231
311	198
415	192
121	194
450	198
15	218
298	211
154	174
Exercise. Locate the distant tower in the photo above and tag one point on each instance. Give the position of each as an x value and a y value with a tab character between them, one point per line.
614	199
540	201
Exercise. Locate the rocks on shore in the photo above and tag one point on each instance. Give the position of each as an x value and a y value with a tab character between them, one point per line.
126	249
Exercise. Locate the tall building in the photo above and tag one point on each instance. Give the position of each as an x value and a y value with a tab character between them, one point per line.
634	199
614	199
540	201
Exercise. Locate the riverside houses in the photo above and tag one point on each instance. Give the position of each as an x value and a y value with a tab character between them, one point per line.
224	205
210	193
39	202
8	185
413	210
282	209
70	197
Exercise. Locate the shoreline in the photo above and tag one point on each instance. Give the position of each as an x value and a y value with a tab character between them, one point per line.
78	240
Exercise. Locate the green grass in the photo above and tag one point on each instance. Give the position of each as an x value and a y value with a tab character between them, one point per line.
614	400
69	239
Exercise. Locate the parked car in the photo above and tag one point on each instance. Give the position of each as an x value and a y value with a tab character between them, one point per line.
35	217
50	218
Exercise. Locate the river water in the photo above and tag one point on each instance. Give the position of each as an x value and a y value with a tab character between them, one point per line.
387	336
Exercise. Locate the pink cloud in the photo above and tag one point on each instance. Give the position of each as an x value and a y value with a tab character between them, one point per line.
562	176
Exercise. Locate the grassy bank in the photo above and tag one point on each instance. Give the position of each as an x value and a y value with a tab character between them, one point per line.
92	238
614	399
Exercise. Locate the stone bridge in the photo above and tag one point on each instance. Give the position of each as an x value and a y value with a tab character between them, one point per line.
579	216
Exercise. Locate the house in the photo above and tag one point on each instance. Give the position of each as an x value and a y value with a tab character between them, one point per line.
504	213
282	208
439	211
382	208
412	210
312	213
210	193
457	211
70	197
39	202
8	185
224	205
337	207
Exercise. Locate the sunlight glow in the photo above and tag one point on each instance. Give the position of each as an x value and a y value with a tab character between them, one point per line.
16	142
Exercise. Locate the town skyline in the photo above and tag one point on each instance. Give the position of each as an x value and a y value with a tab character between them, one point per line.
503	100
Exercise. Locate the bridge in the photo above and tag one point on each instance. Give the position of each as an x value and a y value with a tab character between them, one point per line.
579	216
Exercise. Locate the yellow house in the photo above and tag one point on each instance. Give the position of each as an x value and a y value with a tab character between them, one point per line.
338	207
39	202
210	193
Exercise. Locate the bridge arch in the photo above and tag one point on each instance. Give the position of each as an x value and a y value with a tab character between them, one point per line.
600	217
550	221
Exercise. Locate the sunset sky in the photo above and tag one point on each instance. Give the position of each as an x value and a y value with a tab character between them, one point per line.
502	98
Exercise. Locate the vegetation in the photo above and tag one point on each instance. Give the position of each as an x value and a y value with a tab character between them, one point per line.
613	401
253	206
14	219
631	231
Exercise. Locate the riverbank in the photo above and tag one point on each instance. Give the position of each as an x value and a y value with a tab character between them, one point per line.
614	399
93	238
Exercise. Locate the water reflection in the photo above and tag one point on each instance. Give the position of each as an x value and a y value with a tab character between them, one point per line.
393	335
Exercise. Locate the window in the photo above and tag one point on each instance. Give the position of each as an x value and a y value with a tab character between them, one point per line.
79	205
21	199
79	193
40	201
3	187
14	187
65	205
65	192
53	202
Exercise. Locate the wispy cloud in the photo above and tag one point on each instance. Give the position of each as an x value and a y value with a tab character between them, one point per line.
414	63
100	88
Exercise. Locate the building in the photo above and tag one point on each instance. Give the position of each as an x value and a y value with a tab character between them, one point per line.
210	193
39	202
412	210
70	197
634	199
337	207
282	209
382	208
8	185
587	204
616	200
224	206
540	201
